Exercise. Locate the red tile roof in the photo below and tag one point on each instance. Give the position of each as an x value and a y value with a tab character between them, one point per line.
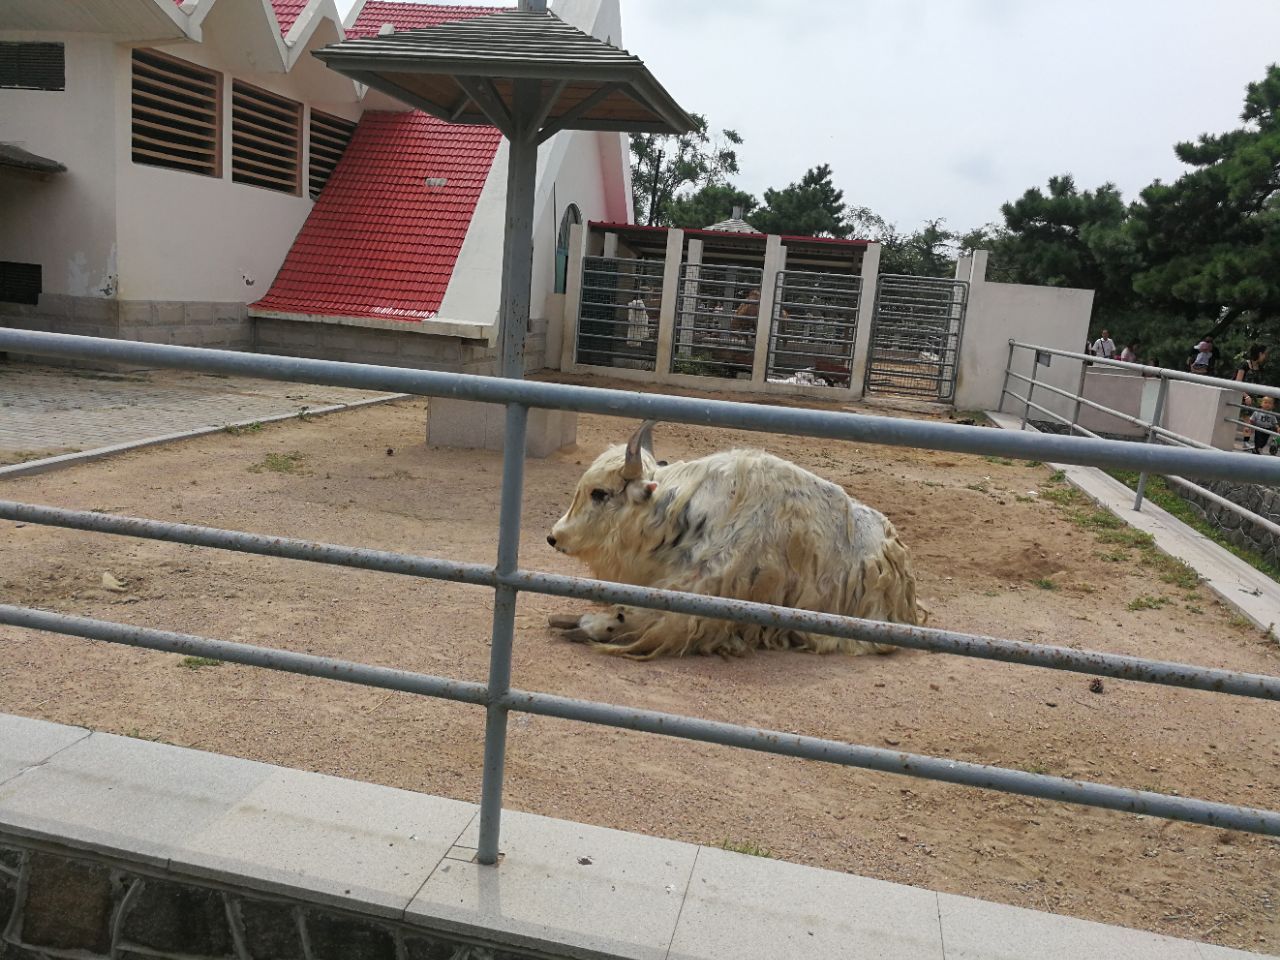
409	16
286	12
380	243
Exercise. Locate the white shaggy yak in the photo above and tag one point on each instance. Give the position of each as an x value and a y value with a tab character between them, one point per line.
742	524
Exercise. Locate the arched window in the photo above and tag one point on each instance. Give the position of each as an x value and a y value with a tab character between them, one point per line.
571	216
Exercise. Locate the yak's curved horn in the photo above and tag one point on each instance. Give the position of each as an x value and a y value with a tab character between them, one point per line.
642	439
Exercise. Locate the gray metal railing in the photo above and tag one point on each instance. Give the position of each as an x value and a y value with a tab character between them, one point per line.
1155	431
507	578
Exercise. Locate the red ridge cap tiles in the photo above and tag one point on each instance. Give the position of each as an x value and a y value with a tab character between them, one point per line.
379	242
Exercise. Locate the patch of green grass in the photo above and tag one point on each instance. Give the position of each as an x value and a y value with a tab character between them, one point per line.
280	463
1240	621
1162	495
1192	608
747	847
1003	461
1116	556
1033	767
1062	495
979	486
1147	602
1035	463
1044	583
195	663
239	430
1058	476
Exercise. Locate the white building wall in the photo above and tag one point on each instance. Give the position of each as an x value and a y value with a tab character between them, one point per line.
1055	317
187	237
68	222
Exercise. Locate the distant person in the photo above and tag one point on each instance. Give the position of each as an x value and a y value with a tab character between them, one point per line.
1262	420
1130	352
1250	371
1104	346
1203	360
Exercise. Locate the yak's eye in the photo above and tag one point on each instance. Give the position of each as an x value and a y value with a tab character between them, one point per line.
599	496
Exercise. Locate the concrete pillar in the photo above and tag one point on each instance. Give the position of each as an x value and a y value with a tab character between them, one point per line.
572	298
866	310
775	260
692	258
610	245
667	315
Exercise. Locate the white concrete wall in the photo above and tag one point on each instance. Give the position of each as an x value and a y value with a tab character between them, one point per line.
183	236
1120	390
1046	316
68	222
1199	412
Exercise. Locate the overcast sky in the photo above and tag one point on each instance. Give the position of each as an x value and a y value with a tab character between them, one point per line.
948	108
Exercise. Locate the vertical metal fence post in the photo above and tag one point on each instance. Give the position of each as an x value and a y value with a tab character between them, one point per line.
1156	416
504	621
517	273
1031	388
1004	387
1075	414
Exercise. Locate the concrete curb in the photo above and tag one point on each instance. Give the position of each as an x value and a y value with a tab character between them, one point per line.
85	456
1247	590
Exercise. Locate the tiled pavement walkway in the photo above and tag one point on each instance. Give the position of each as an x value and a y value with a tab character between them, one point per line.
53	410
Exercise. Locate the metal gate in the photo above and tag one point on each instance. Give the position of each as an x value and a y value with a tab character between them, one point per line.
716	316
814	329
618	316
915	337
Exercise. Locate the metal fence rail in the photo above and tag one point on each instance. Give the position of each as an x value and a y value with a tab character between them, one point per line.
507	579
814	327
716	315
1156	432
618	313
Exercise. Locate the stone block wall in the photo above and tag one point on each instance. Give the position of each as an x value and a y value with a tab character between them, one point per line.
1264	501
219	325
57	904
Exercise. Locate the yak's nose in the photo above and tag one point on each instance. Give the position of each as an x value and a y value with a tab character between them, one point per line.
551	540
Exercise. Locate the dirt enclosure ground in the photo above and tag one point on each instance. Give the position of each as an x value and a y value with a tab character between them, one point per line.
1000	549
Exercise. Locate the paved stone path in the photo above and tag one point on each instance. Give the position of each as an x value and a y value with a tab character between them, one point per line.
46	411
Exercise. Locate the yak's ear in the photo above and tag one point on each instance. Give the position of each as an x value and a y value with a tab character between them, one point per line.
633	467
640	492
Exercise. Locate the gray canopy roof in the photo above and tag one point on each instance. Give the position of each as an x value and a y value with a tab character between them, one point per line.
465	71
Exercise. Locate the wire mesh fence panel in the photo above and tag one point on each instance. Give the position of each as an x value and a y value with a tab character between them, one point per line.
618	316
814	329
716	313
915	336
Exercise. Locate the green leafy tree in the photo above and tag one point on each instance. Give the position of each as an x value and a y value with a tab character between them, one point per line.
709	205
1067	237
1211	239
664	165
813	207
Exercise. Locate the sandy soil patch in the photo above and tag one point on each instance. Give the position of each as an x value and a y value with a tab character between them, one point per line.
996	554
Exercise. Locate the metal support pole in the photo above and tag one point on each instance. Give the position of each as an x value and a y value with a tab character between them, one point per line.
504	621
1075	414
1156	417
1031	388
1004	387
517	243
